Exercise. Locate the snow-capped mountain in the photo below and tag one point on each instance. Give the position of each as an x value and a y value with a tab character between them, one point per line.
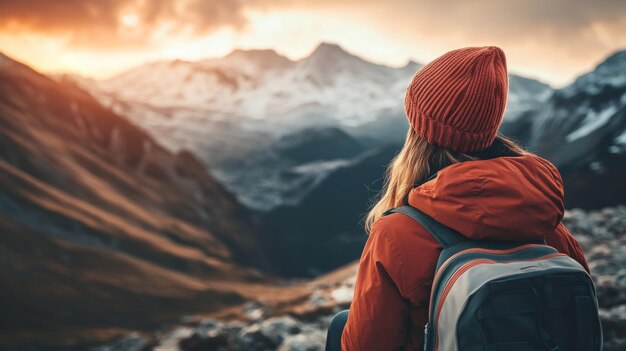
233	109
582	129
256	93
572	124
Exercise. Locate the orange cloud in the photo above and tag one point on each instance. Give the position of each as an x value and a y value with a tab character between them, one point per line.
117	24
548	39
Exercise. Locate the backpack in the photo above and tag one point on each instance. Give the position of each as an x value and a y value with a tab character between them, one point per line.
506	296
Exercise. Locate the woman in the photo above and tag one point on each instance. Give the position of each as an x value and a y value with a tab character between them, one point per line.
455	168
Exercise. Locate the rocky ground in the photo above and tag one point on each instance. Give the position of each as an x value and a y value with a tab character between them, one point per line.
602	235
300	324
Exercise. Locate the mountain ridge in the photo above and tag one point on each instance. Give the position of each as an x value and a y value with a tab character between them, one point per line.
236	107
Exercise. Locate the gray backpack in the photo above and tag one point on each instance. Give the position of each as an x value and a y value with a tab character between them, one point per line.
504	296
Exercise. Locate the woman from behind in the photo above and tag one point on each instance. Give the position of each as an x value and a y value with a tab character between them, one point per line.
455	168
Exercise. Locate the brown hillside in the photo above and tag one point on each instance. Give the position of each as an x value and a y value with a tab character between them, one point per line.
101	226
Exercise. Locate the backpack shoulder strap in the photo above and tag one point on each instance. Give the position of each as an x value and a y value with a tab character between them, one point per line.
445	236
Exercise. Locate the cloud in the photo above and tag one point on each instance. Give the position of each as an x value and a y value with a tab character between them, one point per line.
548	38
544	38
516	19
551	39
110	24
118	24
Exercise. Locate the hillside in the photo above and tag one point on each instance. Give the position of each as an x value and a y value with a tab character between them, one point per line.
297	318
324	230
102	228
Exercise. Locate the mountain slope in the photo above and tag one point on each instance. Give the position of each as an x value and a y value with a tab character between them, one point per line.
236	107
582	129
324	230
103	227
293	165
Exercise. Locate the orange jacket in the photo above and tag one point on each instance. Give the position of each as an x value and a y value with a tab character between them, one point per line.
505	198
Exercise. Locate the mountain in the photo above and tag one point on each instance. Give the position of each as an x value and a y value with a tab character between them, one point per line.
582	129
231	109
524	95
292	166
324	230
103	229
317	145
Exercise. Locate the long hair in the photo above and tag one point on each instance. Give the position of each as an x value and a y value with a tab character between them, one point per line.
417	160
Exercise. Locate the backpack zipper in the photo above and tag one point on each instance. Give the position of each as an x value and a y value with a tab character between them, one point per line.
426	335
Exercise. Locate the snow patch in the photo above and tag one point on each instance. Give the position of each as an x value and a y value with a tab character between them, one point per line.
621	139
321	166
592	121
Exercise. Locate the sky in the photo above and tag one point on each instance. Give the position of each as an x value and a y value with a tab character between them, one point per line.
551	40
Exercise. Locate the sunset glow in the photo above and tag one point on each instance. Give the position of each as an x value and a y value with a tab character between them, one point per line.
553	42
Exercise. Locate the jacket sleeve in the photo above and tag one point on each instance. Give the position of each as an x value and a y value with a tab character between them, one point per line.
568	245
378	314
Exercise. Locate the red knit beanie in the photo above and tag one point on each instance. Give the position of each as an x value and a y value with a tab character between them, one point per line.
457	101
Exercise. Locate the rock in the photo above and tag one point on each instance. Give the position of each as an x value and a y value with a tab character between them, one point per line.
602	234
276	329
207	325
233	328
604	224
255	310
252	338
198	343
317	299
342	294
350	281
210	334
266	335
614	328
312	341
609	292
171	340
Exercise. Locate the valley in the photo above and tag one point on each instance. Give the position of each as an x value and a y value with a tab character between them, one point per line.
220	202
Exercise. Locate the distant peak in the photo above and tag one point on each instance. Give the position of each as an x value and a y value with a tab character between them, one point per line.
326	49
412	65
611	71
257	53
328	46
611	67
617	58
174	62
263	57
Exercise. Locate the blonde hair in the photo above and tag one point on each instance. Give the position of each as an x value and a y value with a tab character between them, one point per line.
417	160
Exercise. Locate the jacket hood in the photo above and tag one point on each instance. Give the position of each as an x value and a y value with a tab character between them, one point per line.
505	198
